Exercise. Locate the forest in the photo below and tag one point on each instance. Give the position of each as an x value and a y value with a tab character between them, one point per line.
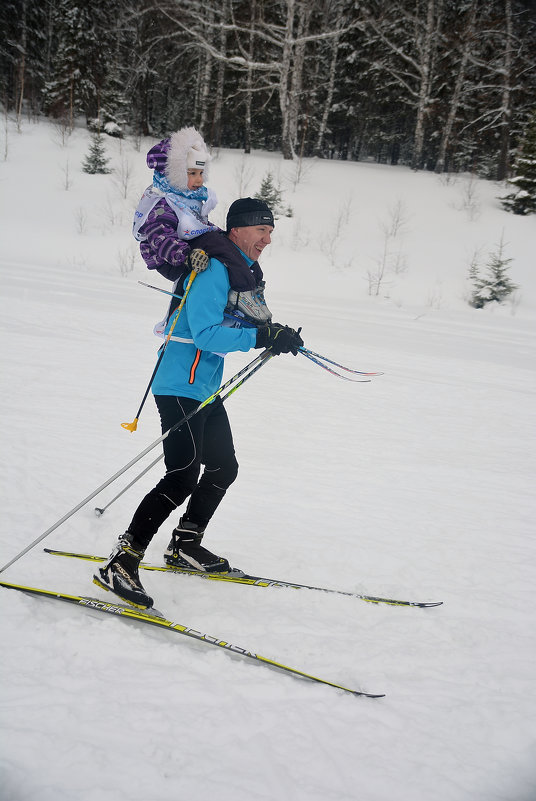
441	85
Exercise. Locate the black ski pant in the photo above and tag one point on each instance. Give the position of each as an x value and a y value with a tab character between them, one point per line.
205	439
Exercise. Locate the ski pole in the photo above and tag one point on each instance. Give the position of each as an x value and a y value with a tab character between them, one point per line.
99	511
164	291
246	372
134	424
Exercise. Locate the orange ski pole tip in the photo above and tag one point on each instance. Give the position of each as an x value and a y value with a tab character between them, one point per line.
130	426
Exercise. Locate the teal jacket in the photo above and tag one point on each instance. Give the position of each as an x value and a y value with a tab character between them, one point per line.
192	365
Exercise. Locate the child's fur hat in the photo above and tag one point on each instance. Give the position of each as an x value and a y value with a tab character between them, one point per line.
187	150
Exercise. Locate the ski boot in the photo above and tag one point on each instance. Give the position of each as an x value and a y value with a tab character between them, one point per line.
120	575
185	550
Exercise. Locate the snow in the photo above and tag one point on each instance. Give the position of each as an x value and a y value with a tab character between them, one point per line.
417	485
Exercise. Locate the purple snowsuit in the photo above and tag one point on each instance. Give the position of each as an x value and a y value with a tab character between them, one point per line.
163	251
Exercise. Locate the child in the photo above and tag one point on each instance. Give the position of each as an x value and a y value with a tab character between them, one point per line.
171	223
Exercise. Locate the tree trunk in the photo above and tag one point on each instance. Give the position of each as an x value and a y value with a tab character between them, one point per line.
506	106
329	98
425	85
458	87
296	83
22	62
220	81
249	80
205	72
284	76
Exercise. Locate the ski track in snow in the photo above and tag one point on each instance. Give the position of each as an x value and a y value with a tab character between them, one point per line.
417	485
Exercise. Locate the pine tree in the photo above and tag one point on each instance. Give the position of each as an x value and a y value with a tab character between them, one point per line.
118	45
96	161
496	286
272	196
114	110
523	199
71	87
268	192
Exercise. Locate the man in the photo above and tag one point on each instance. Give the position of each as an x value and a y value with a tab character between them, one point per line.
191	370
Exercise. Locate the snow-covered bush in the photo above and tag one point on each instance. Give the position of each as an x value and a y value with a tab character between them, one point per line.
96	161
273	197
495	285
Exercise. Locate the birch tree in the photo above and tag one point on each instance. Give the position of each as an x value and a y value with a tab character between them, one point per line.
504	60
460	61
248	99
334	46
410	40
431	83
506	93
272	47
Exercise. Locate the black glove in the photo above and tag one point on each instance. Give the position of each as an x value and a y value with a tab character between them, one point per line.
280	338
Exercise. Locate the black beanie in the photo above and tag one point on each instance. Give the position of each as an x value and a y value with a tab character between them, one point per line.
248	211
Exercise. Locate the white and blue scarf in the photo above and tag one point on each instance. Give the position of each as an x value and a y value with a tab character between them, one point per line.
191	207
192	198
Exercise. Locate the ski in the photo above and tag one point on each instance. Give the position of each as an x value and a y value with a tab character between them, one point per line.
330	370
307	352
154	619
238	577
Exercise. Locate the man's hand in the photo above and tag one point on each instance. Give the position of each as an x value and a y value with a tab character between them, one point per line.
280	338
198	260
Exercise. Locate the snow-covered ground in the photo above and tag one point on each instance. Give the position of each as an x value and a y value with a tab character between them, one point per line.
418	485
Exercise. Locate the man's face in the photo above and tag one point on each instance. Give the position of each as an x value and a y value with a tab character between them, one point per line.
252	240
195	179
